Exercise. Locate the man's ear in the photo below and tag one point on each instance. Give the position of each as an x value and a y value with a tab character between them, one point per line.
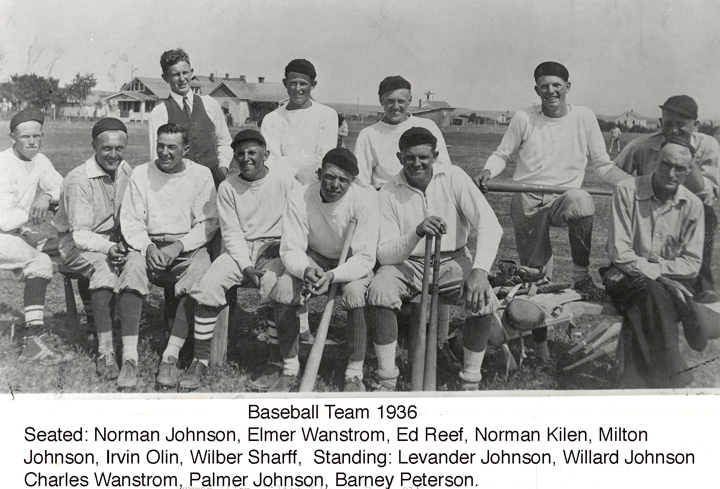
399	157
313	84
164	78
568	85
537	91
186	149
284	82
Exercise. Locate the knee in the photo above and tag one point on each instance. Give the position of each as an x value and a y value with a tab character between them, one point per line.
39	267
354	295
134	275
580	204
286	291
103	277
383	293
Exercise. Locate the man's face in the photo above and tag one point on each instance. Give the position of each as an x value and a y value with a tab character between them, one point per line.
417	162
395	105
109	149
672	124
170	152
334	182
27	139
178	76
673	167
250	156
552	91
298	87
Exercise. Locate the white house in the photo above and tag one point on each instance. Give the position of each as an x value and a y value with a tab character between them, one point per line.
631	119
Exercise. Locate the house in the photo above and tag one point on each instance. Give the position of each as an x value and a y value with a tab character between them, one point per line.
137	98
93	107
439	111
247	102
631	119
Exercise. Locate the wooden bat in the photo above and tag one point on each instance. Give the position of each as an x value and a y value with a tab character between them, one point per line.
430	377
512	186
418	346
605	350
313	362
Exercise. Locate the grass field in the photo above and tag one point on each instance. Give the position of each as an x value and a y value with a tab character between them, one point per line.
68	145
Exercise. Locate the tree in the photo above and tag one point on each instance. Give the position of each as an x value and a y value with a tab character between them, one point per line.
36	91
473	118
80	88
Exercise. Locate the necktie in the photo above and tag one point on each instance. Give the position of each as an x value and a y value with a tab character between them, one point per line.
186	107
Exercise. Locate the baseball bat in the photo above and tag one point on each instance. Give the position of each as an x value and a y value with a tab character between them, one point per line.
418	347
512	186
313	362
601	328
605	350
430	377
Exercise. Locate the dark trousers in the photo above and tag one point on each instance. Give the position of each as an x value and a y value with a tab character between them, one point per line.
705	279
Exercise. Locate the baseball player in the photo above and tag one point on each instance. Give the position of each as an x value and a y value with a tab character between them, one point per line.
314	226
554	142
376	146
427	199
168	215
88	225
28	185
615	133
298	136
655	243
641	157
208	135
250	206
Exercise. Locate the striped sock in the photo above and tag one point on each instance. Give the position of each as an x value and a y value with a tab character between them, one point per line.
173	348
356	331
272	330
472	362
205	321
89	314
34	305
443	330
579	273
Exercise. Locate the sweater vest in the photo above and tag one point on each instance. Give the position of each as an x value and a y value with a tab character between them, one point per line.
200	128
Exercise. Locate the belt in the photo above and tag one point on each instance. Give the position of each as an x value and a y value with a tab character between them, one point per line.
166	238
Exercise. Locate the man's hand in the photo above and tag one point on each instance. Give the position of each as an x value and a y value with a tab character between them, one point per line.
253	275
172	252
39	208
117	254
478	294
613	277
676	289
322	286
432	226
481	179
155	259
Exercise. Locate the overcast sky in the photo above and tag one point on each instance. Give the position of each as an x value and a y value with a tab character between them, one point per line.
624	54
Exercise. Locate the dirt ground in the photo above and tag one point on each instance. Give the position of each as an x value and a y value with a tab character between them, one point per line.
68	145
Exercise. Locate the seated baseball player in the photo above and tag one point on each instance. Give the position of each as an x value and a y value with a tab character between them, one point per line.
28	185
314	227
376	146
423	200
88	225
641	156
168	215
655	240
250	206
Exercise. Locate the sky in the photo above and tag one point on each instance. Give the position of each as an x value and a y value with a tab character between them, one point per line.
621	54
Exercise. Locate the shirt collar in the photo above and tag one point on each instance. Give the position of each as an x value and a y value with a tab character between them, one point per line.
179	98
437	170
93	170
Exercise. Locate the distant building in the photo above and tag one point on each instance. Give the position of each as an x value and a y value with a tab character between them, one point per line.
439	111
631	119
92	107
246	102
137	98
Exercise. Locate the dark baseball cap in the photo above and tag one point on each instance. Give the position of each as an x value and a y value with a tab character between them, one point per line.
248	135
683	105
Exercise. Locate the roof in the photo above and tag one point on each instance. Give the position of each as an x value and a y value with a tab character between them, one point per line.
638	116
160	89
433	105
254	92
131	94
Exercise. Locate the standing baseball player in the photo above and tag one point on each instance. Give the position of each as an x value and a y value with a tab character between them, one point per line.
28	185
168	215
641	157
554	142
250	206
426	199
615	133
88	225
301	132
376	146
208	135
655	243
314	226
298	136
